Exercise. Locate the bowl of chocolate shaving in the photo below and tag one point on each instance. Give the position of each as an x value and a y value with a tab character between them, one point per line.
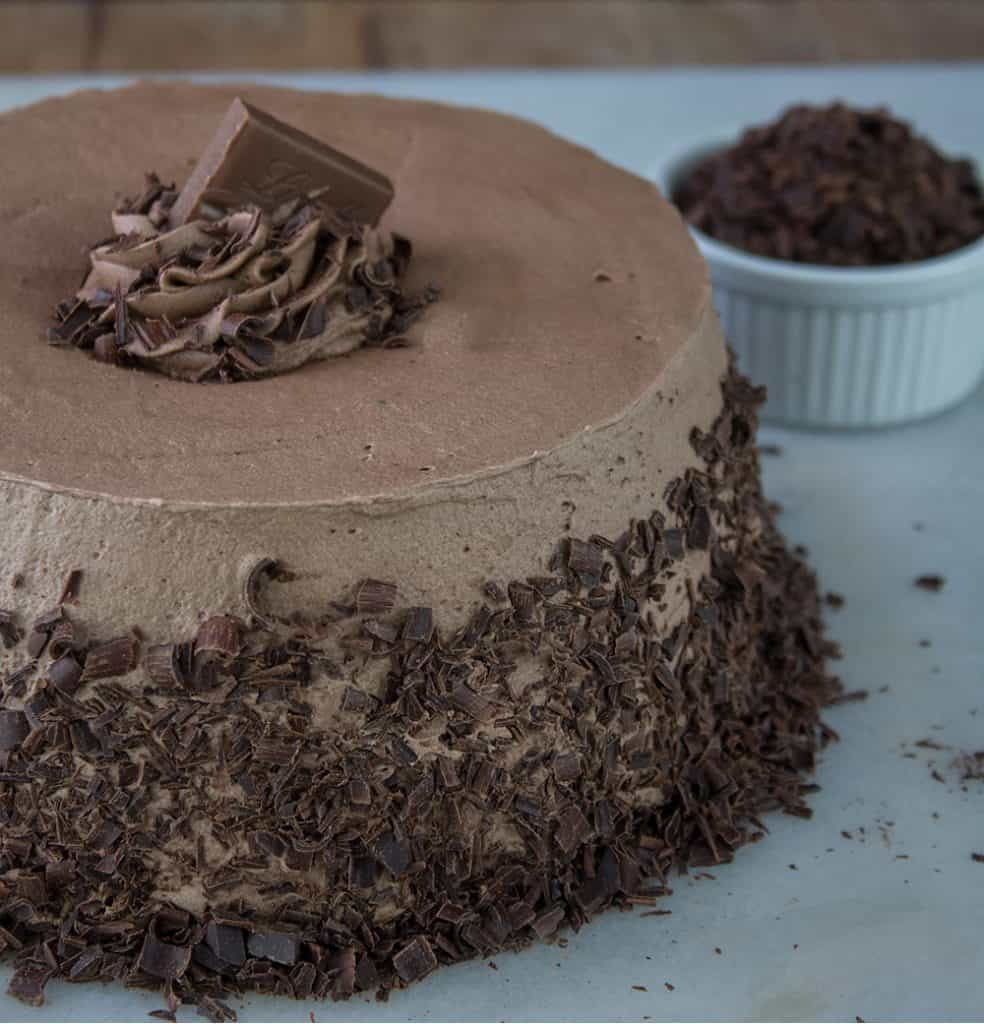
846	254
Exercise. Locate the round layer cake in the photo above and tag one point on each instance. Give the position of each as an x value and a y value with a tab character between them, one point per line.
407	655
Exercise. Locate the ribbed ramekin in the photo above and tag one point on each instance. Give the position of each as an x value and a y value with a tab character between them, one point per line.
846	347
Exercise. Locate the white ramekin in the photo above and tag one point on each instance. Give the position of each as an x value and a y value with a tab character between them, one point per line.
845	347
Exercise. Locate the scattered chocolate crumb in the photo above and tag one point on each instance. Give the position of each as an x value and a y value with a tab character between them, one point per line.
977	858
639	988
717	949
931	582
970	766
834	600
668	986
770	449
930	744
602	276
851	697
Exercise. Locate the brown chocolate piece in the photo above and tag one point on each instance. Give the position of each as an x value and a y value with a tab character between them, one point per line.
254	158
415	960
14	728
226	943
10	634
280	947
115	658
162	959
932	582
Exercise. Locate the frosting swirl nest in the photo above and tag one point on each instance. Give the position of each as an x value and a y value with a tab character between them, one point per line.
254	294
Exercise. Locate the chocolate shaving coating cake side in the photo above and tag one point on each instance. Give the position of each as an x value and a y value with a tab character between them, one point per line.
555	756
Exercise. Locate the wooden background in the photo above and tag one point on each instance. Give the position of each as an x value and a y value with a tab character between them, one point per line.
147	35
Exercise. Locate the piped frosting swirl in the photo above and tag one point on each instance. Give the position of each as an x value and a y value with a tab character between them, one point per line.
251	295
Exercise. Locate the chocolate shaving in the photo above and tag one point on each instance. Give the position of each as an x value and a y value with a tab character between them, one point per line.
226	942
587	560
373	597
65	638
466	699
280	947
419	625
219	634
265	568
36	643
415	960
14	729
162	959
392	852
167	665
932	582
116	658
10	634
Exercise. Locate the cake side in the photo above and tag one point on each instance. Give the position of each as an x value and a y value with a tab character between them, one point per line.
344	805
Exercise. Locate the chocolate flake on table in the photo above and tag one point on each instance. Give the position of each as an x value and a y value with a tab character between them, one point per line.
290	269
932	582
358	855
837	186
970	765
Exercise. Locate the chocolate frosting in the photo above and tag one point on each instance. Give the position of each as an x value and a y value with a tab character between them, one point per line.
525	349
254	294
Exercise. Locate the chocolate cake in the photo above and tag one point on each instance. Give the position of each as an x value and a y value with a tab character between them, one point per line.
315	682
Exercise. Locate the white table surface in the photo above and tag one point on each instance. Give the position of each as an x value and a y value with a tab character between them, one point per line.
886	925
